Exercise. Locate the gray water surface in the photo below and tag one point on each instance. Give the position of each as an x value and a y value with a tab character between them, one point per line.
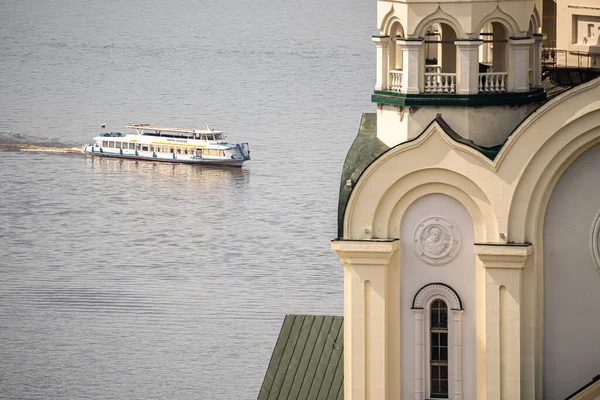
136	280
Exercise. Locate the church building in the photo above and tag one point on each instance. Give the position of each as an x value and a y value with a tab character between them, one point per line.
469	211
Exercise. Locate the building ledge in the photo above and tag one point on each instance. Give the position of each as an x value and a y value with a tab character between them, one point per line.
458	100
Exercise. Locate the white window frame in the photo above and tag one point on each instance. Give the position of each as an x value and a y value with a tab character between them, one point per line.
421	322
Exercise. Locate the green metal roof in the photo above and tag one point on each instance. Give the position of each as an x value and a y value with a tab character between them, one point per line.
307	362
364	150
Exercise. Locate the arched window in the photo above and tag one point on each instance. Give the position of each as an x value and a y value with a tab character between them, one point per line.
438	349
437	312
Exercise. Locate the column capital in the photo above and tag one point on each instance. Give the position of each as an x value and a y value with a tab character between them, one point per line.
381	40
410	42
539	37
468	43
365	252
520	41
503	255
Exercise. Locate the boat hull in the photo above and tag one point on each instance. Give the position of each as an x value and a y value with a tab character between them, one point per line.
191	160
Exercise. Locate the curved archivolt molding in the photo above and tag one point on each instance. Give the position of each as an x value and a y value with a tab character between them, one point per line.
527	217
399	197
509	23
401	176
439	16
388	22
436	290
399	30
554	148
535	20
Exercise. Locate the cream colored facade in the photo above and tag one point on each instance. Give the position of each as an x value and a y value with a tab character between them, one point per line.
502	280
440	47
578	25
510	244
578	33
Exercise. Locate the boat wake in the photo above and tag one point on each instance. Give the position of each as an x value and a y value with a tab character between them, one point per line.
18	143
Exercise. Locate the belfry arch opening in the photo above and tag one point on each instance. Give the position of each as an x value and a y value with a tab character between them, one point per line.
395	56
440	58
493	59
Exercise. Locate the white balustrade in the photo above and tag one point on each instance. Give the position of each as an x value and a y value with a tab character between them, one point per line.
396	81
440	82
430	69
492	82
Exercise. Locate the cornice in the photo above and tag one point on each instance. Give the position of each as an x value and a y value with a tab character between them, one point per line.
498	255
365	252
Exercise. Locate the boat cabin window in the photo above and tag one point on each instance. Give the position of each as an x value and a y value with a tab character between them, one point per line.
203	137
218	136
171	150
151	148
210	137
118	145
145	148
178	150
111	145
185	151
105	143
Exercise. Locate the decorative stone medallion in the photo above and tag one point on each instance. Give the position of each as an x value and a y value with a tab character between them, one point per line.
595	242
437	240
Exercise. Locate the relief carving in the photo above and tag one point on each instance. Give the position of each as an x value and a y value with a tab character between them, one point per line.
437	240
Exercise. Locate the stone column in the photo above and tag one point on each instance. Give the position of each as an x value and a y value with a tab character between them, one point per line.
413	65
371	318
518	64
467	72
457	354
382	43
536	63
419	331
503	265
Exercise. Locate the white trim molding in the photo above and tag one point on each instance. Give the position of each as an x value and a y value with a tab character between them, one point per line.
420	308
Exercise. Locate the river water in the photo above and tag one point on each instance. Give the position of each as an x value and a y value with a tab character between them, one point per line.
123	279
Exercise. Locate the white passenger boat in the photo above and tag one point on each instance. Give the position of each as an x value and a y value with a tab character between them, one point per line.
174	145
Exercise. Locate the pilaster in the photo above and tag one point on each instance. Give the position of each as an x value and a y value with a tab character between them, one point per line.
518	64
382	43
503	265
371	318
467	72
413	65
536	63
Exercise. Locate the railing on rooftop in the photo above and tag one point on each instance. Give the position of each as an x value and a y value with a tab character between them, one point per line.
556	58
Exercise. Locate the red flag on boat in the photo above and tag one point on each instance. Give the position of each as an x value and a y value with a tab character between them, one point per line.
103	126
